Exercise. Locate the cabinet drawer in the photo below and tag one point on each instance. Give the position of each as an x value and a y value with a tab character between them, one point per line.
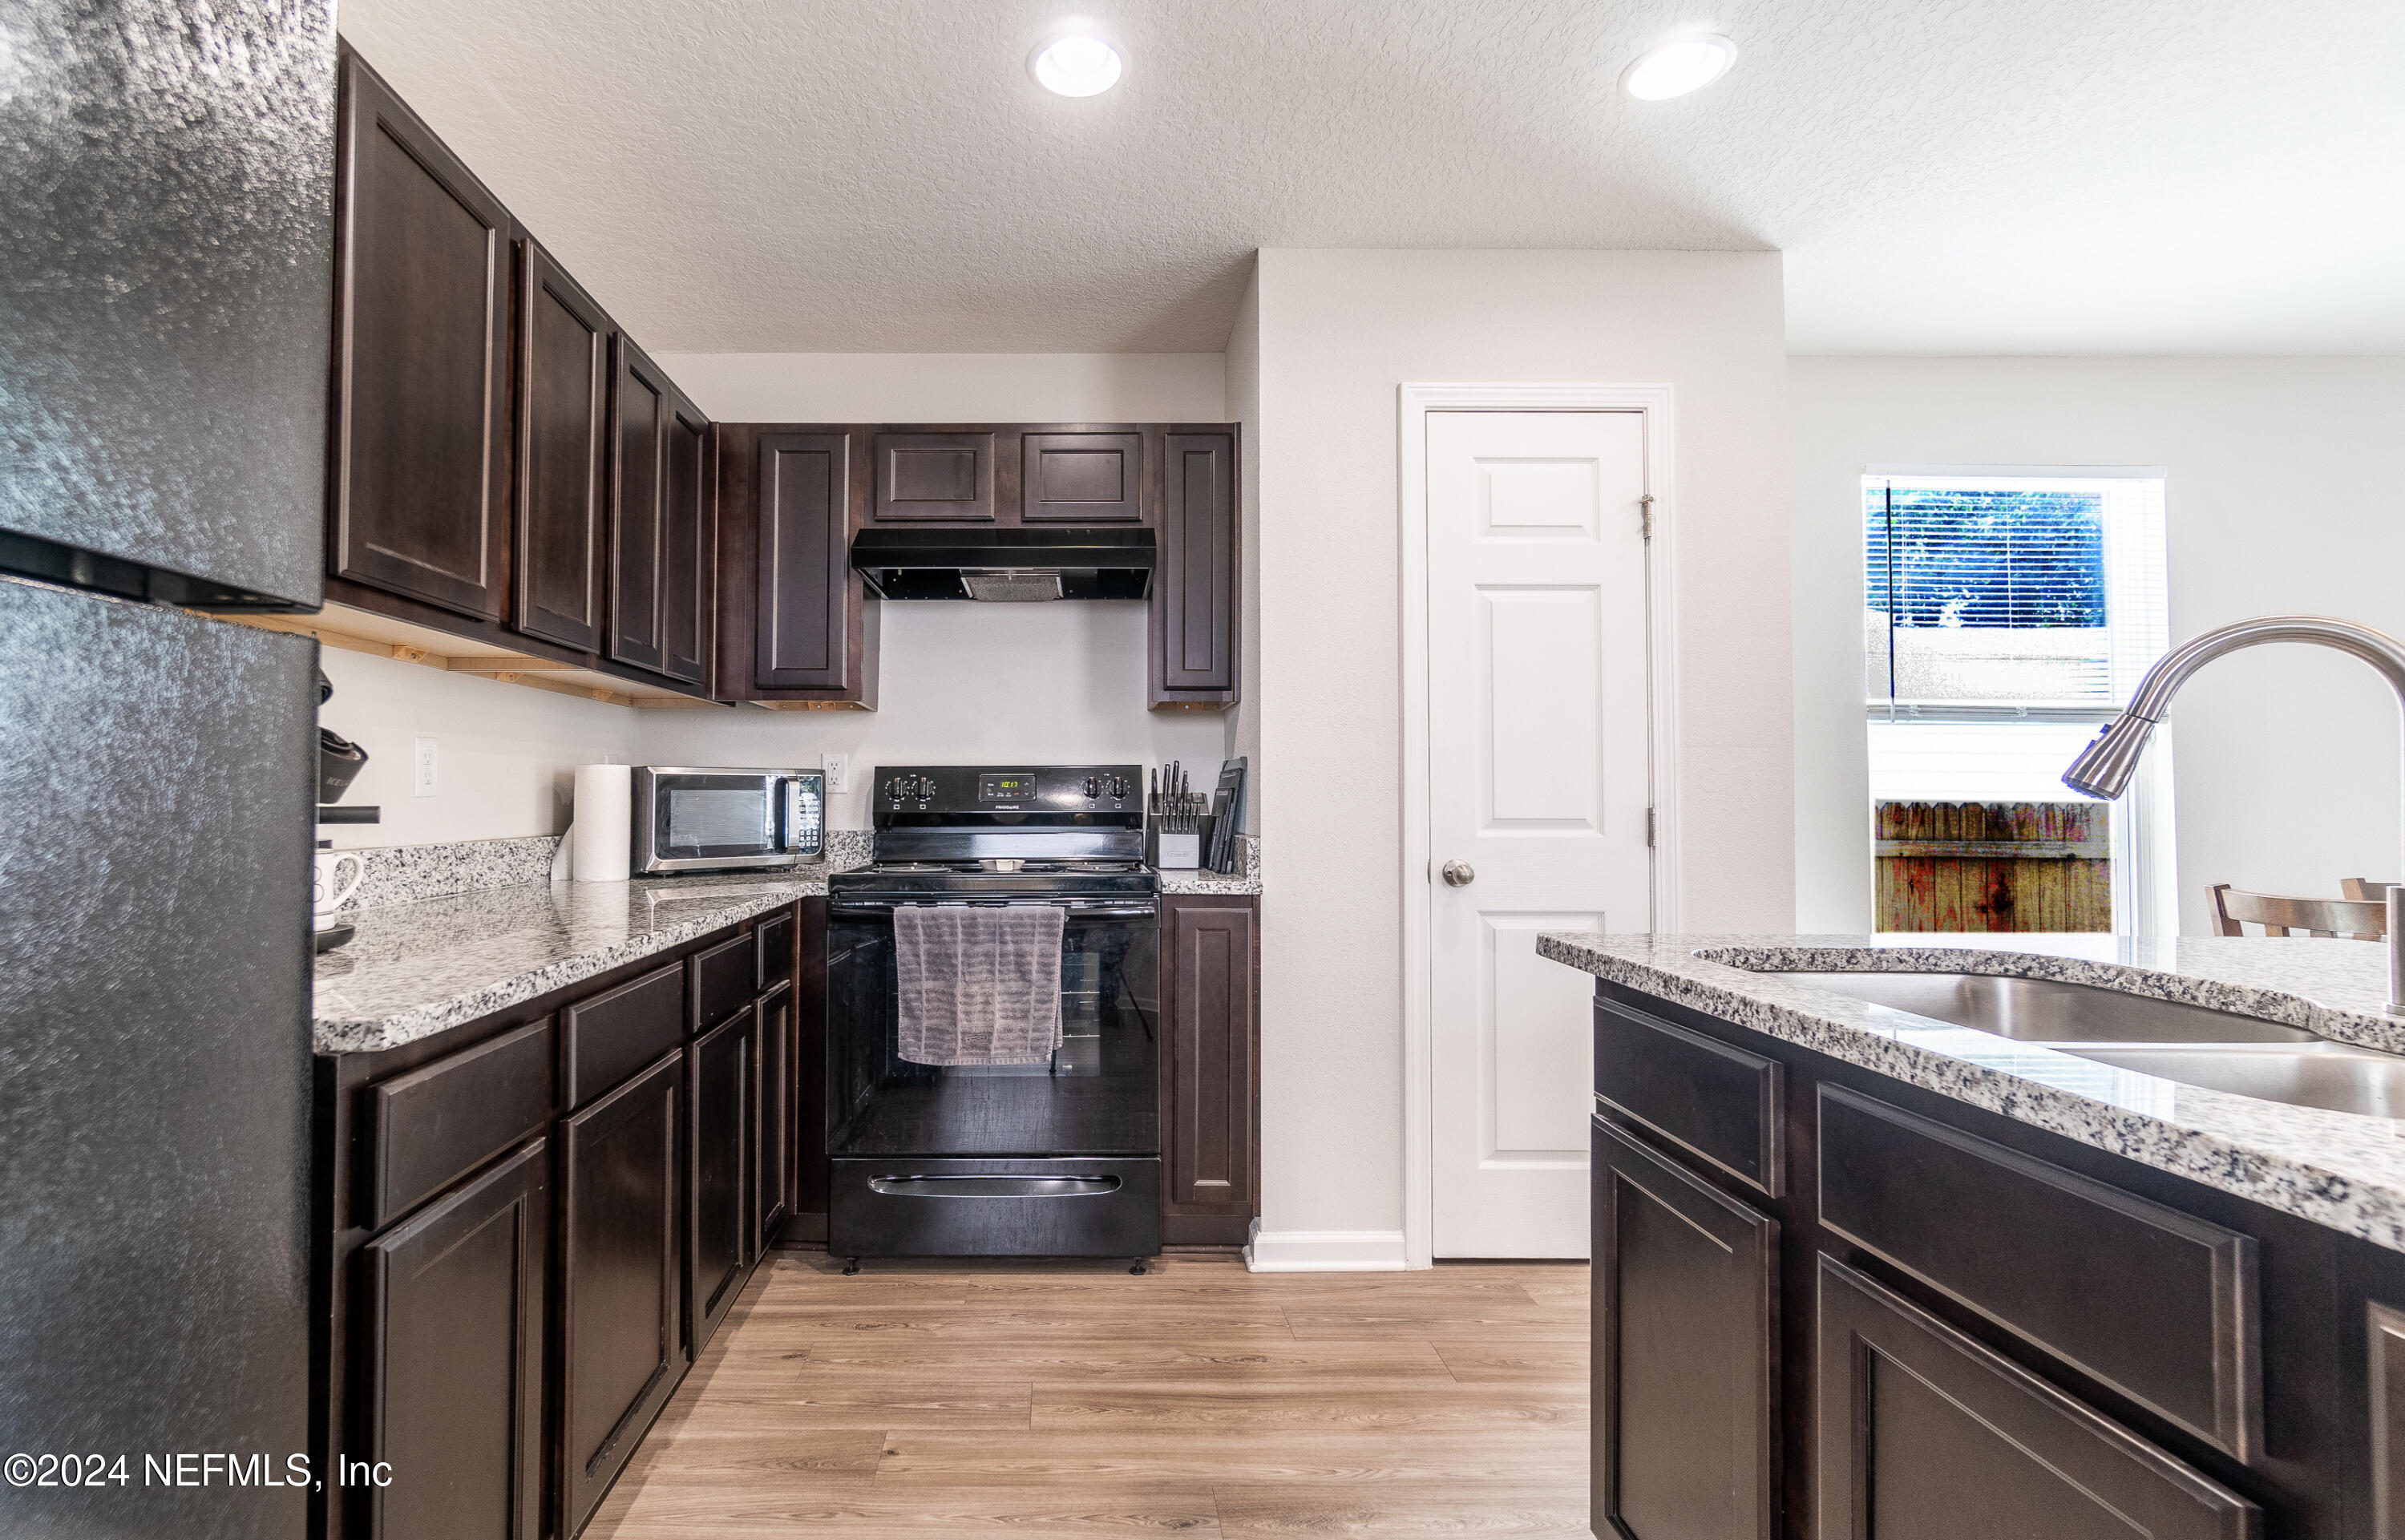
723	980
775	944
1719	1102
436	1123
2158	1305
612	1036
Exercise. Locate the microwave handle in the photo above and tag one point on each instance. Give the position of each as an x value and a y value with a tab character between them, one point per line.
789	797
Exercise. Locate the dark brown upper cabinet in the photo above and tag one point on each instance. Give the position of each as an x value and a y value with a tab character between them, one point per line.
1195	586
943	477
688	543
639	423
795	621
1081	478
563	411
422	360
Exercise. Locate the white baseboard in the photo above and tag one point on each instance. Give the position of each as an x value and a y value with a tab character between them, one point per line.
1325	1251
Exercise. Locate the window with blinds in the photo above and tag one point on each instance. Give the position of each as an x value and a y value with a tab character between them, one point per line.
2005	615
1985	591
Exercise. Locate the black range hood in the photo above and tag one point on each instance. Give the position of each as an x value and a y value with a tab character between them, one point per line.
1005	564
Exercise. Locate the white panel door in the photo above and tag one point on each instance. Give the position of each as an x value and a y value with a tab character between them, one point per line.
1537	781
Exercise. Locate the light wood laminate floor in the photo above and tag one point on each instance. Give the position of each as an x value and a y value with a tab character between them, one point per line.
1074	1399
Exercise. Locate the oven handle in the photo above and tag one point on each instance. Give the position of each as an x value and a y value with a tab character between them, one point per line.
994	1186
869	908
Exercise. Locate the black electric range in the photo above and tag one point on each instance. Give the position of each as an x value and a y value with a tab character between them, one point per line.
1055	1158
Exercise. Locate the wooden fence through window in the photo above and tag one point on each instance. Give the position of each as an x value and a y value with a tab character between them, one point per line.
1994	867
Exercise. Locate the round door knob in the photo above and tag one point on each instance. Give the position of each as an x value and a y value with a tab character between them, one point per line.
1458	874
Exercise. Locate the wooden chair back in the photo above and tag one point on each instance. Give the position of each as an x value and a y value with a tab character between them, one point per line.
2354	918
2364	887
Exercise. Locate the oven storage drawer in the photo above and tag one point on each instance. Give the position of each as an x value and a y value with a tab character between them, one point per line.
908	1205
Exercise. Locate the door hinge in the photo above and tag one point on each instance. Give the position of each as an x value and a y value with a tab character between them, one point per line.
1645	514
1649	828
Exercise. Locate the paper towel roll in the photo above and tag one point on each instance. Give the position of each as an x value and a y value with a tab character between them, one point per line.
603	824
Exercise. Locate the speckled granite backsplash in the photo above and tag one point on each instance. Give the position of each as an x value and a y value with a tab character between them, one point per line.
409	874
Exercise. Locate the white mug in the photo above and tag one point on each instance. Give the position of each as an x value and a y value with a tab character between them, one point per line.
328	891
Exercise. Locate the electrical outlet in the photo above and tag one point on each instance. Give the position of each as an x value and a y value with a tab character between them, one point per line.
424	762
839	772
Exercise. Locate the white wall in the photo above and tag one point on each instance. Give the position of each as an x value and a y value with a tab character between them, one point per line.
2285	493
1063	682
1338	333
506	756
951	387
1244	407
1057	683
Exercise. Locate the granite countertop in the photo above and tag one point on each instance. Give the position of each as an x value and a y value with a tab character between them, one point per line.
413	969
2336	1168
1246	877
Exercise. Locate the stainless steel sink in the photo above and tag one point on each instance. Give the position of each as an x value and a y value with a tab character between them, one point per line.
2338	1076
2045	1011
2216	1049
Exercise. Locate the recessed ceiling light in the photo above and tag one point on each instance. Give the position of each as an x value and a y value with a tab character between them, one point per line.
1076	61
1677	67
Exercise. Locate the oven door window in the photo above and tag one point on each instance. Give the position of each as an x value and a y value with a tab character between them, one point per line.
710	817
1097	1096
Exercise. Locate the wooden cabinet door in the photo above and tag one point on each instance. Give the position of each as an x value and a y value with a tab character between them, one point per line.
721	1074
1210	1105
1194	589
1686	1365
688	544
639	431
932	478
563	410
622	1177
808	620
454	1349
422	360
1081	478
1926	1434
774	1197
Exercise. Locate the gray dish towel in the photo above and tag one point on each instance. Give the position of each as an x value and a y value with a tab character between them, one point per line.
977	985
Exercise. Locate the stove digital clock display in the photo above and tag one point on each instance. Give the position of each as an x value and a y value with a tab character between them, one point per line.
1005	788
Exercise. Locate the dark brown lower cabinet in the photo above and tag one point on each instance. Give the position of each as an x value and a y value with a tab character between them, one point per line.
722	1072
622	1254
1925	1434
1685	1360
1210	1101
774	1194
455	1360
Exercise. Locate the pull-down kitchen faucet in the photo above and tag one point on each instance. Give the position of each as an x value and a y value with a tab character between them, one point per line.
2104	767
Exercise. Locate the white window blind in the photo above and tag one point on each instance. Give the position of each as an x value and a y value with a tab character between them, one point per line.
1985	591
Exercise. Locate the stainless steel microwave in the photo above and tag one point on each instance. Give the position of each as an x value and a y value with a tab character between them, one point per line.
695	819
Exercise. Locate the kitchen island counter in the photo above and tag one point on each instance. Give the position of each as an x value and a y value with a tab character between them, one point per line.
2339	1169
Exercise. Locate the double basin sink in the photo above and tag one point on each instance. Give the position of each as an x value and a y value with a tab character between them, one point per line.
2217	1050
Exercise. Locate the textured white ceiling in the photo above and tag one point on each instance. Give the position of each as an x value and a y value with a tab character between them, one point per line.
1946	175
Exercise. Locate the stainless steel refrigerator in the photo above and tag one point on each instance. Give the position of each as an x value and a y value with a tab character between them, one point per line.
165	309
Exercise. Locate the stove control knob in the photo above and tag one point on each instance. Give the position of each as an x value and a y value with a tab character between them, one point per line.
1118	785
1093	785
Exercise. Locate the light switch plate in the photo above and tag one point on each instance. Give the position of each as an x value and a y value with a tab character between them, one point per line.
424	764
839	772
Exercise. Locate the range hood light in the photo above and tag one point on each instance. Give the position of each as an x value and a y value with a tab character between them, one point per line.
1010	585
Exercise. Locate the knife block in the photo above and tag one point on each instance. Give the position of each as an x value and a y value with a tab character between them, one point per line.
1167	851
